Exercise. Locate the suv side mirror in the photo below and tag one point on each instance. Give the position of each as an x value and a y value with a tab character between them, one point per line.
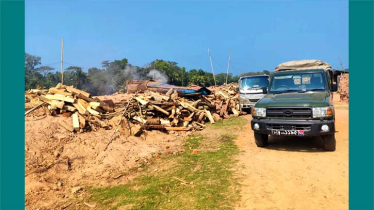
265	90
334	87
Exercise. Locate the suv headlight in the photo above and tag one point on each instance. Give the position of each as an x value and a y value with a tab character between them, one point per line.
322	112
259	112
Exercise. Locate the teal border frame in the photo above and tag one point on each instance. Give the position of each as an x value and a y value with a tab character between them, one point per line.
12	29
12	104
361	67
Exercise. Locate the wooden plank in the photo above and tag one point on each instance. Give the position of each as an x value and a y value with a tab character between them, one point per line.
189	118
185	123
36	101
60	97
81	96
156	97
83	103
57	104
175	121
93	112
160	109
75	122
59	91
143	102
82	121
236	113
170	91
80	108
165	122
59	85
201	116
77	91
188	106
69	108
139	119
209	116
94	105
223	94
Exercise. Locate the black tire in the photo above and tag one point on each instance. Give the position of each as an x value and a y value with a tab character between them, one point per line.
261	139
329	142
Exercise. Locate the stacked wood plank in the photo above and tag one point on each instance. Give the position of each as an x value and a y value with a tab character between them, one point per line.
84	110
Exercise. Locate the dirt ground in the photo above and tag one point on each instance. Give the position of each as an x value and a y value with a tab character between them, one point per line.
57	161
295	173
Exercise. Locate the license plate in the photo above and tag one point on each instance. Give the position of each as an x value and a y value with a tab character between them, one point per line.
288	132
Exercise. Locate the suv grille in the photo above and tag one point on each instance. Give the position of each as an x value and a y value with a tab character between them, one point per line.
285	112
288	127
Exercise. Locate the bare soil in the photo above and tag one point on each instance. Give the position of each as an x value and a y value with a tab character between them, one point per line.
56	160
294	173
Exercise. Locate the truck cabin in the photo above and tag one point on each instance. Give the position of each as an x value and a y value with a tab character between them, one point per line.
253	82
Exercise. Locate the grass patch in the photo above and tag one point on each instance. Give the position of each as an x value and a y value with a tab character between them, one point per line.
210	184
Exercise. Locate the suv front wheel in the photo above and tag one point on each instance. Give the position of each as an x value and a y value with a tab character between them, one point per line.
329	142
261	139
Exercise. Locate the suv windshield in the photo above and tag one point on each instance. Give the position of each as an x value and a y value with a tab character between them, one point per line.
254	82
297	82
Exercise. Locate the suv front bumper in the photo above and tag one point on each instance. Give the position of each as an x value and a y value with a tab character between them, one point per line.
310	127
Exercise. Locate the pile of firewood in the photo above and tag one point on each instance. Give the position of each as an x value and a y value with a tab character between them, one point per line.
169	112
225	99
71	102
146	111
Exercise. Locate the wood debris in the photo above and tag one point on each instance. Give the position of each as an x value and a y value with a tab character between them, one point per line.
71	102
146	111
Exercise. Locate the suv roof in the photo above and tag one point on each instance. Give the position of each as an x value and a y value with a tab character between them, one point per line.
303	64
299	71
254	76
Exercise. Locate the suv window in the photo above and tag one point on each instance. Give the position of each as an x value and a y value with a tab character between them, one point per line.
297	82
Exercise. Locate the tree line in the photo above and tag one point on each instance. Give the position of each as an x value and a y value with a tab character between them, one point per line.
112	75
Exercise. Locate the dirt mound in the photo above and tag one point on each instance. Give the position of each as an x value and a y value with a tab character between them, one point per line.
344	88
57	160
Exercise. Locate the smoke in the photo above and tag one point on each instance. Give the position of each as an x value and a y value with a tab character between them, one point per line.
158	75
133	73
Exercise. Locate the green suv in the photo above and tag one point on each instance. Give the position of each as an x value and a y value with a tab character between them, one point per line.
299	102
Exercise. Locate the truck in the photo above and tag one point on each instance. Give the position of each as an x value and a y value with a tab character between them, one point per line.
299	102
251	90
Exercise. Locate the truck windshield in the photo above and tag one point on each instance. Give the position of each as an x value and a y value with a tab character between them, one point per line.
254	82
297	82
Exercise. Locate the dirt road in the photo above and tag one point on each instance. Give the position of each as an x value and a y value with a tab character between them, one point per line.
295	173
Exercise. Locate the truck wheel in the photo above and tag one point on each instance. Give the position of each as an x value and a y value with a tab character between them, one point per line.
329	142
261	139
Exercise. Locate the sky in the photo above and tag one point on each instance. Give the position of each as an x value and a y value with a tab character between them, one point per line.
260	34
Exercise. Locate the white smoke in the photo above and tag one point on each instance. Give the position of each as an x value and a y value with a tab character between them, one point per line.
132	73
158	76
